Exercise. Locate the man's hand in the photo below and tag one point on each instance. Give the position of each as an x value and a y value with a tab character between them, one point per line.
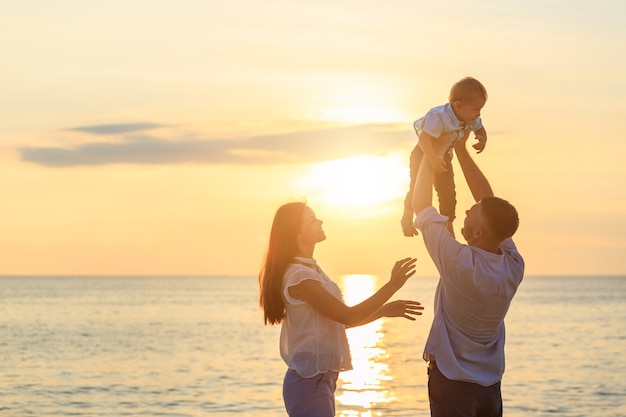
476	180
431	148
459	145
406	222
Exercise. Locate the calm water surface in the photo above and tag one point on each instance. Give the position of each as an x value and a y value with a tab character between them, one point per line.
196	346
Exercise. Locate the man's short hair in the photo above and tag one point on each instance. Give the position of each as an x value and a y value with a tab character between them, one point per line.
500	217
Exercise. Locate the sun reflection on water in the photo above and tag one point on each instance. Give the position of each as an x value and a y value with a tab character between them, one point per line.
366	385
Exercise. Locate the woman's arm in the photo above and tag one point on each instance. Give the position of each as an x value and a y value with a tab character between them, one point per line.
326	304
398	308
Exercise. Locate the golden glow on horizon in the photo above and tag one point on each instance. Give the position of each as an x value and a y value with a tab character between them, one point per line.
354	97
357	182
363	386
361	114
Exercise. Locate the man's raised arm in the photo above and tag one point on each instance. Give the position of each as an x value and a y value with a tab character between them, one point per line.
423	189
476	180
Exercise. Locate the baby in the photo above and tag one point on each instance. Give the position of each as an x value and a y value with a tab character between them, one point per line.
437	132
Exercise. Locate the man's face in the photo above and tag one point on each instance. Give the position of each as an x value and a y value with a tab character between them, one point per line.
472	222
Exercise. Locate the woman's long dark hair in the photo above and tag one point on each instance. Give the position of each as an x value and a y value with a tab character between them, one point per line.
280	252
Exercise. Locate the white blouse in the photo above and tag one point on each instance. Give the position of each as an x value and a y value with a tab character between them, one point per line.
311	343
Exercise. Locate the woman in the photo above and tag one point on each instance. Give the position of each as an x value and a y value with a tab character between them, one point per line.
296	292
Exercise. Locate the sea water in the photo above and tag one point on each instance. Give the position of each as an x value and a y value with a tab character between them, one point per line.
197	346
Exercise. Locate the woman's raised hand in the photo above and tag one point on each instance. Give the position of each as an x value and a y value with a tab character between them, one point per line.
402	308
402	270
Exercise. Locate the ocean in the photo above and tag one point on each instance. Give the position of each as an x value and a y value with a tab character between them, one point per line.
197	346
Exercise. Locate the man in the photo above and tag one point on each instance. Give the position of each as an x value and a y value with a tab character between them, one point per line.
465	347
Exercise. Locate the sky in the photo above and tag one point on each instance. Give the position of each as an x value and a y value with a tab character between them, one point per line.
159	138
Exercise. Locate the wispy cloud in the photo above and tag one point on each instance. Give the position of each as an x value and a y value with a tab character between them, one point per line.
297	147
113	129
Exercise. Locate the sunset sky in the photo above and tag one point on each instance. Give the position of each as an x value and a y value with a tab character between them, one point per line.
159	137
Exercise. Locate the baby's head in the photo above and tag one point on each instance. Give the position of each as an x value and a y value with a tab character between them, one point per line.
467	98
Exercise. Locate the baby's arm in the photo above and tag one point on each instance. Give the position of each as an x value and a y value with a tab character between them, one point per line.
481	137
430	146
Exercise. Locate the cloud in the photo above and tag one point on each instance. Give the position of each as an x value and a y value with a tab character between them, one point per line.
112	129
297	147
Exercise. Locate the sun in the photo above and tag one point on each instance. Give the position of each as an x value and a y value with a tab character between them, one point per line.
357	182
